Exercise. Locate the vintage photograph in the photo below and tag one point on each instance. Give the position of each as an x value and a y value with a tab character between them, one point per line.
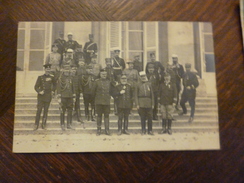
115	87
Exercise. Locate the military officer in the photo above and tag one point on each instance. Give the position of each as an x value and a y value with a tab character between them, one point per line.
66	96
69	58
87	83
190	83
60	42
132	74
77	90
90	49
118	65
144	100
124	93
137	63
158	67
153	79
179	72
96	67
78	54
102	92
45	87
167	95
71	44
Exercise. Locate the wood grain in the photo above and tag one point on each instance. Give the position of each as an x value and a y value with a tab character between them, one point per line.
226	165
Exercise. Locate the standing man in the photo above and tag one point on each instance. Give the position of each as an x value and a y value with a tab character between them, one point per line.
190	83
90	49
66	96
179	72
69	58
158	67
124	95
102	101
78	54
96	67
153	79
71	44
137	63
145	101
167	95
60	42
131	74
118	65
45	87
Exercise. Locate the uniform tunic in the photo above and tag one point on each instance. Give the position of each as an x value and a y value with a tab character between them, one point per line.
124	100
71	44
61	45
54	59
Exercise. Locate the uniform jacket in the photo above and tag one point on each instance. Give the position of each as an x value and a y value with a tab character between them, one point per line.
71	44
137	65
45	83
89	48
65	86
88	84
102	92
154	81
54	59
144	95
124	100
118	62
132	74
61	43
179	72
167	93
158	67
190	79
77	84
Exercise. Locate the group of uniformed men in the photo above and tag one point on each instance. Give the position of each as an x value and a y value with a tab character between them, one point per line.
69	71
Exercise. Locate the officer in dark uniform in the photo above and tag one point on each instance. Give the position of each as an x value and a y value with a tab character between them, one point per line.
179	72
87	83
154	81
137	63
124	93
71	44
167	95
66	96
158	67
68	58
102	100
77	90
60	42
144	100
190	83
90	49
78	54
118	65
45	87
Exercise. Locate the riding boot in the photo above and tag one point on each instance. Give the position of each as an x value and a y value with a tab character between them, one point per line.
69	120
106	121
119	127
62	121
143	130
36	122
44	121
92	116
164	127
169	126
78	115
126	126
99	123
89	116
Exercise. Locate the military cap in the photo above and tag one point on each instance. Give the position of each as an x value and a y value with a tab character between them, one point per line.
70	50
116	50
174	56
47	66
150	66
91	35
54	45
142	73
123	76
70	34
108	60
187	65
103	70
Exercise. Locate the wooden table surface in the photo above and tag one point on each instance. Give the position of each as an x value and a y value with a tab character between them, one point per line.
226	165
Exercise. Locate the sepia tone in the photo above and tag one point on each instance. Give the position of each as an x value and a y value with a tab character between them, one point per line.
226	165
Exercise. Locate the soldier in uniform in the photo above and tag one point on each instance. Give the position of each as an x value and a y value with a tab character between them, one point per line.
77	90
102	91
71	44
179	72
118	65
78	54
153	79
96	67
124	95
87	83
66	96
137	63
69	58
60	42
158	67
45	87
167	95
90	49
54	58
144	101
132	74
190	83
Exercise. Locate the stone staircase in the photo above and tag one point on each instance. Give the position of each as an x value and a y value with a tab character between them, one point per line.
206	118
